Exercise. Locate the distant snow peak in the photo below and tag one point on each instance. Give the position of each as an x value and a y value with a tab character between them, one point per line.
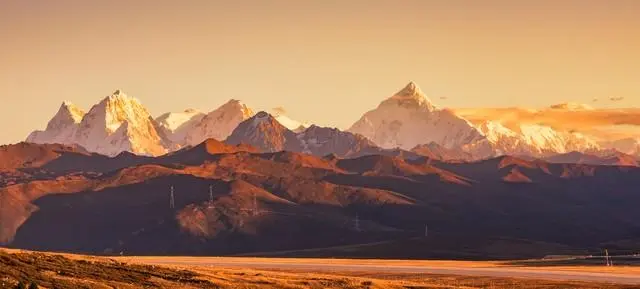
264	132
120	123
235	104
116	124
534	139
61	128
410	96
219	123
175	120
176	125
68	114
280	114
410	90
407	119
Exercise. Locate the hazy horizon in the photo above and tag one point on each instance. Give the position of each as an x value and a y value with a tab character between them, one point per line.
326	62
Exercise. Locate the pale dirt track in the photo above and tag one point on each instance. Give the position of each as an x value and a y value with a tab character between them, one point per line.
488	269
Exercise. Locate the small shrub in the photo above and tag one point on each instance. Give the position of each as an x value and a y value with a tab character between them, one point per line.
21	285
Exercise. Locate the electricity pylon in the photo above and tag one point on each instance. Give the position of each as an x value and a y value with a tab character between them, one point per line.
172	201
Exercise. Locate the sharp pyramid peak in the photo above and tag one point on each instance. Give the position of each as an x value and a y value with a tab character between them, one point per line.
120	98
118	94
72	110
411	90
235	104
67	103
411	94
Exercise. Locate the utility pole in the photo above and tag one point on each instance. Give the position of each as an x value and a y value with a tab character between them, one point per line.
606	257
255	205
172	202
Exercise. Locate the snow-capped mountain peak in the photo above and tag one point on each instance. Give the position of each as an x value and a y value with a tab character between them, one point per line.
219	123
264	132
119	123
234	104
410	96
173	121
408	119
117	108
281	116
176	125
68	114
61	128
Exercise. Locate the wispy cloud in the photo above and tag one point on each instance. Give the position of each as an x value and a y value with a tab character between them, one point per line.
279	110
599	122
616	98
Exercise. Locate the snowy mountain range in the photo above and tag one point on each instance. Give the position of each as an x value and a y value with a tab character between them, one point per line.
406	122
118	123
534	140
264	132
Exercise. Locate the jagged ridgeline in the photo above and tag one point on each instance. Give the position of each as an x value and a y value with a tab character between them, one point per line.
407	122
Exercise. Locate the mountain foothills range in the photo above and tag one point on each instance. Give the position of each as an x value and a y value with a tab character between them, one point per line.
218	198
407	122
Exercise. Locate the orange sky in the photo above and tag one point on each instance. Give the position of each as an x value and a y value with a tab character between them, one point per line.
325	61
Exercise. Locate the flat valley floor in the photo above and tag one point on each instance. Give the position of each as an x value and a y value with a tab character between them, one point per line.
51	270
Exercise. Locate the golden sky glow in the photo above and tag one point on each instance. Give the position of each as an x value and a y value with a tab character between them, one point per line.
323	61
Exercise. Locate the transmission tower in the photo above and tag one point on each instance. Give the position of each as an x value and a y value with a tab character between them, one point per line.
255	205
426	230
211	193
357	223
172	201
